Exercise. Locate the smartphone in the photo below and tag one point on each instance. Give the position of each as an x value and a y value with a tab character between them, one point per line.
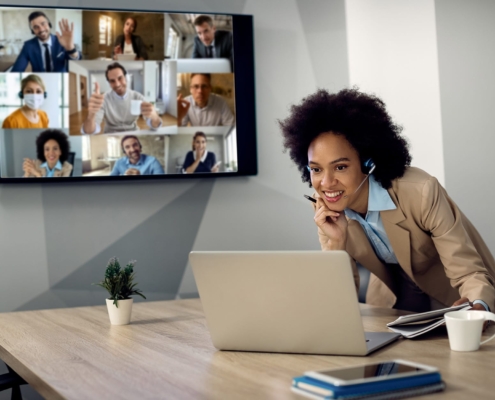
368	373
217	164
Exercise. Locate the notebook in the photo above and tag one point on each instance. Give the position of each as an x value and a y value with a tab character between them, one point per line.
284	302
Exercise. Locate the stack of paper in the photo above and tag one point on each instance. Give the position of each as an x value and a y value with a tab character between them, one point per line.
414	325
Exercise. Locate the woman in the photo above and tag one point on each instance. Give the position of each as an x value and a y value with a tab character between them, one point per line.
397	222
200	159
52	150
129	43
33	93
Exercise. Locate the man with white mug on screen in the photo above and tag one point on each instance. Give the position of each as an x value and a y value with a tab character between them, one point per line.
118	107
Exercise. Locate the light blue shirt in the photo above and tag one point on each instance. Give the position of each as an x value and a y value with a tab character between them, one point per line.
147	165
50	172
378	200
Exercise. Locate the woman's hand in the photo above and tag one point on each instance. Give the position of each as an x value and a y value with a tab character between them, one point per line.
333	224
199	153
117	50
29	168
476	306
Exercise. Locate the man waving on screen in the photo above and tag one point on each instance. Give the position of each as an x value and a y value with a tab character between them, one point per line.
47	52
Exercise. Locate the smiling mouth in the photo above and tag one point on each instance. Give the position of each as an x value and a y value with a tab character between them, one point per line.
333	197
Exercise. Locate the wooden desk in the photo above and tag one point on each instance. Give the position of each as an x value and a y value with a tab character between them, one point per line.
166	352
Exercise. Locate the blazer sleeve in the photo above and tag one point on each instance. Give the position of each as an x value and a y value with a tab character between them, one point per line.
462	263
22	60
196	50
140	48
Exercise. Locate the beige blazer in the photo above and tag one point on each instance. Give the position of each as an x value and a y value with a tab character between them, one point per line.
65	171
434	242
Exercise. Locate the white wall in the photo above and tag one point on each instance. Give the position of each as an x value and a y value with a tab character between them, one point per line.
74	17
393	53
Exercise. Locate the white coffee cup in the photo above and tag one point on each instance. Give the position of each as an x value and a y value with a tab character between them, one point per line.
464	329
136	107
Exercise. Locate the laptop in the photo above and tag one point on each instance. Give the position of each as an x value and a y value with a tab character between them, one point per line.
125	57
283	302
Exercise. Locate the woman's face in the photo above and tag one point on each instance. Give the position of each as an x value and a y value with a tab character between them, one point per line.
335	172
52	152
200	144
129	26
32	88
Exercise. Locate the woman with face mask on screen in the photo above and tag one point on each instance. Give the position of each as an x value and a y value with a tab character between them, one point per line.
200	159
29	116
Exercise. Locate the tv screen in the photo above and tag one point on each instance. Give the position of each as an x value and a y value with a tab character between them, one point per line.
90	95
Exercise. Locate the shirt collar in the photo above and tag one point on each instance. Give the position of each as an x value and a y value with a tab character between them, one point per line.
207	103
202	158
58	166
48	41
121	97
378	199
140	162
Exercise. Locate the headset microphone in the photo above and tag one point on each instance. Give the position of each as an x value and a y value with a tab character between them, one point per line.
370	164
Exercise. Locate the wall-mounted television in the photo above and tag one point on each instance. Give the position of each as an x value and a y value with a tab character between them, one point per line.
108	94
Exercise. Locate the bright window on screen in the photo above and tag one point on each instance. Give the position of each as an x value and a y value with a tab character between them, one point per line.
9	99
113	147
86	148
106	31
172	43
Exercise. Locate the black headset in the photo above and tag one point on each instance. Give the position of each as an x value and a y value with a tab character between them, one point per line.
35	15
368	166
21	95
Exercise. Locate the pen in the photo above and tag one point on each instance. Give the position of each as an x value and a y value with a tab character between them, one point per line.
310	198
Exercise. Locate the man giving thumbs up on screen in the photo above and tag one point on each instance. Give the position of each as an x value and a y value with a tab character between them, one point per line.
120	107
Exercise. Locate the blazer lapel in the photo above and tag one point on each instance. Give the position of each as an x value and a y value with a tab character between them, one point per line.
37	59
399	237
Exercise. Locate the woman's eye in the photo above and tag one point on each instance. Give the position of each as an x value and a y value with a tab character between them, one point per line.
314	169
341	167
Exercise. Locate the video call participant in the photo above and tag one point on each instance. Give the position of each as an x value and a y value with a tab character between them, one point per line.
129	43
52	150
115	106
47	52
199	159
397	222
201	107
135	162
211	43
33	93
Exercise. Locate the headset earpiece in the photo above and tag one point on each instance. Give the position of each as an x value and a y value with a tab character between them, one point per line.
369	166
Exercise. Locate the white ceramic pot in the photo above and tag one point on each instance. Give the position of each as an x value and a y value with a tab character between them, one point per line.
120	315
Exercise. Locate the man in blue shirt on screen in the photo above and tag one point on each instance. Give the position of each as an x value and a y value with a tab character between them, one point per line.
134	162
46	52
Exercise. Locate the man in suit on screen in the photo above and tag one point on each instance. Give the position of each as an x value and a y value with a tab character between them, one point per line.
211	43
46	52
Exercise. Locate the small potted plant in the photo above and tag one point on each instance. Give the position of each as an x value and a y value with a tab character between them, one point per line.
119	283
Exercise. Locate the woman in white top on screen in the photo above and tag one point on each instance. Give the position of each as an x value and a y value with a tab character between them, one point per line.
52	150
129	43
200	159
